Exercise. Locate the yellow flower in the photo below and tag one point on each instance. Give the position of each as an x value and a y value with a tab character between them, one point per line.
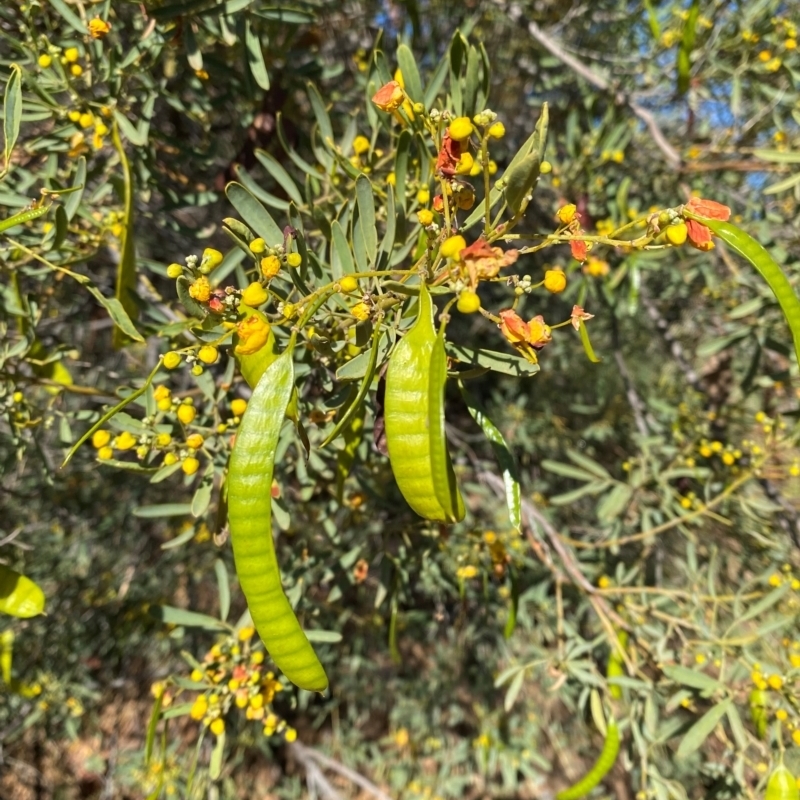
391	179
100	439
389	97
86	119
360	145
603	582
218	726
497	131
775	682
74	115
796	736
253	334
452	247
207	354
71	54
465	164
773	65
775	580
257	657
360	311
186	413
466	572
211	258
246	633
76	70
199	708
781	715
468	302
238	406
728	459
294	260
676	234
764	55
425	217
125	441
170	459
104	453
190	465
196	675
460	128
348	283
254	295
270	266
98	28
200	290
596	267
705	451
258	246
423	195
195	441
45	60
566	214
171	359
290	735
790	44
555	280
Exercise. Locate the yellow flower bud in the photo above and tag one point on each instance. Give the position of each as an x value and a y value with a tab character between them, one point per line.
425	217
186	413
17	397
257	701
360	311
207	354
170	459
294	260
172	359
211	258
253	334
289	310
196	675
545	167
105	453
348	283
566	214
258	246
71	54
45	60
100	439
676	234
290	735
254	295
74	115
199	708
76	70
195	441
163	440
468	302
257	657
141	451
238	406
423	196
775	682
190	465
360	145
270	266
125	441
497	131
85	120
174	271
452	247
391	179
555	280
460	128
218	726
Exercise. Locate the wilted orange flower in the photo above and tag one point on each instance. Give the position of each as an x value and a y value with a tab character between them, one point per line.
98	28
389	97
360	571
484	261
577	315
579	249
449	156
526	337
698	234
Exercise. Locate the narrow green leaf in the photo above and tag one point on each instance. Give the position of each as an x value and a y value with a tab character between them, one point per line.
162	510
12	114
692	678
217	754
254	213
255	56
321	115
73	201
281	176
408	68
366	216
324	637
224	588
170	615
506	363
343	263
151	730
702	729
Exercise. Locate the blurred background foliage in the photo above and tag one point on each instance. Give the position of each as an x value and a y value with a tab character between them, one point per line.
687	426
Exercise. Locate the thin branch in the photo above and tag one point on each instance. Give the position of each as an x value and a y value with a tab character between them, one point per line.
553	47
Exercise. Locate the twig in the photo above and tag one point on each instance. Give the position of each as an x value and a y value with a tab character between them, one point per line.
307	756
670	153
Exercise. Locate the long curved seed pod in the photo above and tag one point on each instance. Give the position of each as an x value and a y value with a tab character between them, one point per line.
250	517
601	767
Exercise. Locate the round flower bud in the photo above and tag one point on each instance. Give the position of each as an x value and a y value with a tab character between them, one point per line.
196	370
172	359
348	283
497	131
360	311
85	120
238	406
545	167
424	196
360	145
218	726
294	260
186	413
100	439
170	459
163	440
45	60
270	266
211	258
190	465
125	441
468	302
258	246
676	234
174	271
208	354
71	54
452	247
199	708
17	397
460	128
566	214
141	451
254	295
195	441
425	217
104	453
165	404
555	280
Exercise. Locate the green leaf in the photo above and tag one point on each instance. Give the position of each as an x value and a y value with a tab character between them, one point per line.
568	471
215	764
778	156
408	68
472	81
321	115
366	216
503	455
702	729
162	510
281	176
765	603
19	596
614	503
588	464
73	201
506	363
323	637
255	56
170	615
692	678
224	588
151	730
784	185
254	214
342	262
513	691
12	114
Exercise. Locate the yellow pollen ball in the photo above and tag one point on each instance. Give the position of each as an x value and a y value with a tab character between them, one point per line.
423	196
45	60
452	247
425	217
71	54
76	70
238	406
208	354
270	266
218	726
775	682
468	302
555	280
100	439
360	311
348	283
190	465
186	413
360	145
294	260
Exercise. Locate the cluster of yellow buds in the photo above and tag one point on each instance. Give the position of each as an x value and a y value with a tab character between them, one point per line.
728	454
232	676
